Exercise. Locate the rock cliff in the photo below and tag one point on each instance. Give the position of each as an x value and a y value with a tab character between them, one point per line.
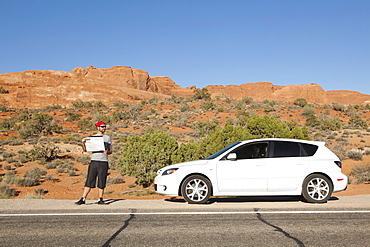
36	89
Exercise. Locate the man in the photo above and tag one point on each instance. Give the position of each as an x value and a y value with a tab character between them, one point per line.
98	167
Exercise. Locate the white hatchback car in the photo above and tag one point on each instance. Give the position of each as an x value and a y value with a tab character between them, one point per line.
260	167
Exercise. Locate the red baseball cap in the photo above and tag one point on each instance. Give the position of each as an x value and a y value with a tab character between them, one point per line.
99	124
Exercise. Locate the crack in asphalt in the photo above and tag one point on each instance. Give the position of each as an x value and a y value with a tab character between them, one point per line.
259	216
125	225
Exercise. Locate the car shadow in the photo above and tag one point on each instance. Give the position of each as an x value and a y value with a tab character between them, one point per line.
243	199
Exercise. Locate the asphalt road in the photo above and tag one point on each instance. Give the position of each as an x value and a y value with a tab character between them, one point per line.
279	221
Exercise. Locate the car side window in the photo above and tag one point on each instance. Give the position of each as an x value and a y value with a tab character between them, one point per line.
288	149
251	151
309	148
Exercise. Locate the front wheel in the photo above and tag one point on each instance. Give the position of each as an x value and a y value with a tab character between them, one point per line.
196	189
317	188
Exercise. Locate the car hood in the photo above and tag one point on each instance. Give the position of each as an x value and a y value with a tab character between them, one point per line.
185	164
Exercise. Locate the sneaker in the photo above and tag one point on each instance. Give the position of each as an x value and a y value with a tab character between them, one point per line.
101	201
81	201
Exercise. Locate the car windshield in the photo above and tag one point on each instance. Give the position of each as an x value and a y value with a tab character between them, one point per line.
222	151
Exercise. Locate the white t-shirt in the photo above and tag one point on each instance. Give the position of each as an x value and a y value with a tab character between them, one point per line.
100	155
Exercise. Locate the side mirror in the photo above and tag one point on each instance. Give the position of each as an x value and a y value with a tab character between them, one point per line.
231	156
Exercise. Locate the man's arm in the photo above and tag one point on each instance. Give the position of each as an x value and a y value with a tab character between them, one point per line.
83	145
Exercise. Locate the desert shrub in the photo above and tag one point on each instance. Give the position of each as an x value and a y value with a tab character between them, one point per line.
312	121
81	104
40	191
72	116
357	122
84	124
203	128
182	121
361	173
328	123
115	180
201	94
207	105
302	102
3	108
340	150
11	179
50	165
7	167
99	104
44	152
354	154
308	111
242	117
11	160
40	124
134	112
66	167
268	108
6	192
270	127
241	104
85	160
3	91
49	177
53	107
7	124
143	156
338	107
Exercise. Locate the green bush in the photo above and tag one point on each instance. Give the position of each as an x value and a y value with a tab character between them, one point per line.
3	108
85	124
357	122
7	124
81	104
40	124
72	116
204	128
302	102
3	91
333	124
201	94
308	111
207	105
270	127
143	156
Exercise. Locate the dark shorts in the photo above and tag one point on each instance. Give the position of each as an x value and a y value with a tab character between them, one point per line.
97	169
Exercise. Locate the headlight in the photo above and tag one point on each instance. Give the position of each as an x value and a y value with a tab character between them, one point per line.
169	171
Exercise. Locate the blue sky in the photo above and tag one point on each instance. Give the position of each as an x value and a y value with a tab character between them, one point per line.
195	42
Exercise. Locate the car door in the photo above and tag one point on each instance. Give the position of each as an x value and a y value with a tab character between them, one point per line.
287	166
245	173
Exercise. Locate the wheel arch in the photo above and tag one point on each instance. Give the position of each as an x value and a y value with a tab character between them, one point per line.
321	173
191	174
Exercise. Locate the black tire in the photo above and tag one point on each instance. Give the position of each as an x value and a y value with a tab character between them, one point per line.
196	189
317	188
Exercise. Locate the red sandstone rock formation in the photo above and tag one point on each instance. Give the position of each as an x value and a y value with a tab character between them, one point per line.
36	89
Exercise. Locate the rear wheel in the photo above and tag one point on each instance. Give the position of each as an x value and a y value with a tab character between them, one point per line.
317	188
196	189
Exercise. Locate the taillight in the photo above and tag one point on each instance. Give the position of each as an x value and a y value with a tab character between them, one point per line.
338	163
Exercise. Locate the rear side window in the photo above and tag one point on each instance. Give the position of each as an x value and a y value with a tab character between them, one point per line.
293	149
309	148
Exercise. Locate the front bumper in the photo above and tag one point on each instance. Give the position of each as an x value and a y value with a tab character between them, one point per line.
167	185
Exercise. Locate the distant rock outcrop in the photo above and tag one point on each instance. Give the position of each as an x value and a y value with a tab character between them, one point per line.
37	89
